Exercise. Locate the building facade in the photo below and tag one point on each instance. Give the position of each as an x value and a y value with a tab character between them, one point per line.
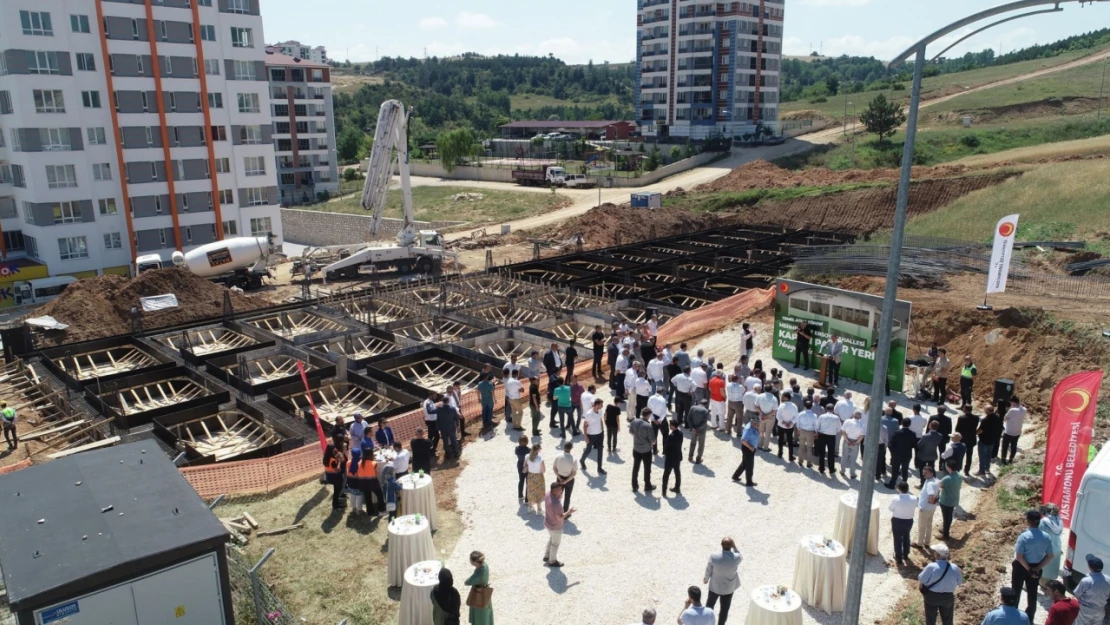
298	50
304	128
707	68
132	128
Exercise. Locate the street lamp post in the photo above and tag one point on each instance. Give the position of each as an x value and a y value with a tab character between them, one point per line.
1101	90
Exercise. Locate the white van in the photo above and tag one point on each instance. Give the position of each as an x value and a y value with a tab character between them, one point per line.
40	291
1090	531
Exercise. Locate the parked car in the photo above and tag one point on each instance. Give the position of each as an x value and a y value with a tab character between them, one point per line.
774	140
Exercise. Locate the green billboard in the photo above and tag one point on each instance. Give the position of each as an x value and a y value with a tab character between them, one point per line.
854	317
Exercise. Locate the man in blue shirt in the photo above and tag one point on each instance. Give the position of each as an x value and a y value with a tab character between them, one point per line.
1092	593
749	442
1007	613
1031	553
939	581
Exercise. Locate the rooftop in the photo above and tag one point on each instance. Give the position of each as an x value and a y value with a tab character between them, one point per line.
564	124
85	520
277	59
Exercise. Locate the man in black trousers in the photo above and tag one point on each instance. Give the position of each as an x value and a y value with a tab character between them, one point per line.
902	446
672	458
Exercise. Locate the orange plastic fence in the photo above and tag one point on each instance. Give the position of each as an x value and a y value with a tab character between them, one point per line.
11	468
696	323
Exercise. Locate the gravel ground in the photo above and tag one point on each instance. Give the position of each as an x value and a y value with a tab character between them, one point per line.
626	551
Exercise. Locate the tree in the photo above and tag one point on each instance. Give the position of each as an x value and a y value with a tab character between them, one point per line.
350	140
882	117
832	83
653	160
350	174
455	145
676	153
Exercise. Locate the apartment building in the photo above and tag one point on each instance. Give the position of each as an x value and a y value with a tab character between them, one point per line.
707	68
298	50
304	128
132	128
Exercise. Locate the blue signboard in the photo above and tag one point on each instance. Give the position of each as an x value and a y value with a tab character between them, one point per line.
57	613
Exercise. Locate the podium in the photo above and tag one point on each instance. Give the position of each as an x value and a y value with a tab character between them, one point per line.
823	376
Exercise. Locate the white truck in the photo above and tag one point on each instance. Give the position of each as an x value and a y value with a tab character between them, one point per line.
420	251
240	261
1090	530
579	181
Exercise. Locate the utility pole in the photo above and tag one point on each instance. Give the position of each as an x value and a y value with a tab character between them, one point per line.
1101	90
845	113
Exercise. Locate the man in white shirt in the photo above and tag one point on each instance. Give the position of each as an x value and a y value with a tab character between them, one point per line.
357	431
653	327
697	361
766	404
828	424
844	408
786	416
587	400
643	390
700	377
657	404
902	509
565	472
655	372
918	422
683	395
853	431
750	399
512	365
648	617
535	365
1011	429
630	379
514	393
430	417
926	505
594	433
734	412
807	434
751	382
624	362
402	460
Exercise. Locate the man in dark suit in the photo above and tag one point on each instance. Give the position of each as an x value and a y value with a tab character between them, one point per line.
672	458
902	446
553	365
570	356
928	451
944	425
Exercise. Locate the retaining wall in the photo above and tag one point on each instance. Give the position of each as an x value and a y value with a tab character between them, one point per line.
309	227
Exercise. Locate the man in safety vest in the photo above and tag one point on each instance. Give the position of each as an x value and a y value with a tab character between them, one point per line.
967	379
7	417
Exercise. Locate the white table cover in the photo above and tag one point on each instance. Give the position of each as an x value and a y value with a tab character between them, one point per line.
410	541
845	524
419	496
774	605
820	573
416	594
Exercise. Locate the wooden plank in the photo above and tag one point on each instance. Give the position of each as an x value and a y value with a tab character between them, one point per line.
37	434
108	442
280	530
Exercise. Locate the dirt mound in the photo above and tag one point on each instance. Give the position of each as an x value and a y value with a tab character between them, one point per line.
602	224
762	174
100	307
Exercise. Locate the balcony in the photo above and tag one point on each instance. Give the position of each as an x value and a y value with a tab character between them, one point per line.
655	19
645	54
654	85
647	4
654	35
279	94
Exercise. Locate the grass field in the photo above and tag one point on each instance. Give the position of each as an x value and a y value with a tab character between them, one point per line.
730	200
437	203
529	101
1056	201
943	144
1060	149
936	86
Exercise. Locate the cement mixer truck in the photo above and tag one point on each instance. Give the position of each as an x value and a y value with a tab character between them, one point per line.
240	261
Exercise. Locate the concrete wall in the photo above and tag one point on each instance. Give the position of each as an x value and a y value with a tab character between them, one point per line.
308	227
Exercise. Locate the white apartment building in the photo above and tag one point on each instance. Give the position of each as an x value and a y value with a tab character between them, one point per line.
131	128
298	50
707	68
304	128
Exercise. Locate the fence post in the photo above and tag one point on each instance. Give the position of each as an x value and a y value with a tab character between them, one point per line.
256	588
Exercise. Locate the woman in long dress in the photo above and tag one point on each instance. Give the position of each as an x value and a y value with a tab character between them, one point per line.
536	485
445	600
480	577
1053	527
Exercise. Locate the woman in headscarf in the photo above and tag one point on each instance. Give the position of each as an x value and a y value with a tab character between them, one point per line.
1053	527
445	600
392	490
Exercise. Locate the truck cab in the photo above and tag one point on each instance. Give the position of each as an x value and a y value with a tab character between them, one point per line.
146	262
40	291
556	176
430	239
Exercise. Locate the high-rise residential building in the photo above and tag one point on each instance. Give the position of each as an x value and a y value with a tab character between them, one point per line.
132	128
304	127
707	68
298	50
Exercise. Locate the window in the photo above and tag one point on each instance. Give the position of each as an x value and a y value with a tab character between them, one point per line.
154	170
162	237
107	206
250	134
256	196
255	165
173	101
66	213
212	67
17	140
166	63
231	228
5	103
43	63
13	240
244	70
281	110
287	179
260	226
134	28
18	179
91	99
207	32
219	133
165	35
31	244
86	62
216	100
49	101
3	65
227	198
146	103
248	103
36	23
112	241
149	136
79	23
178	170
241	37
102	171
183	204
204	3
55	139
317	75
73	247
96	136
223	165
61	176
238	6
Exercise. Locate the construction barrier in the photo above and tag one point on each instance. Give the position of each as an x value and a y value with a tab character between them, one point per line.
713	317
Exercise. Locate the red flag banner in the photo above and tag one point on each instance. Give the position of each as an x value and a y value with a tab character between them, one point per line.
316	415
1069	437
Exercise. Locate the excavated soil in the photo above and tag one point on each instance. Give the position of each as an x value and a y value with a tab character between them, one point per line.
762	174
601	225
101	307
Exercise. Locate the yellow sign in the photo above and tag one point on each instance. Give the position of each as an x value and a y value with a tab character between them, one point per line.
179	611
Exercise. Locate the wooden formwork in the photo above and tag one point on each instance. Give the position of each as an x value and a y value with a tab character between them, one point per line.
435	329
299	323
373	311
343	400
105	362
660	277
504	314
638	315
494	285
505	349
436	373
155	395
265	369
208	341
225	435
568	300
568	330
686	302
356	347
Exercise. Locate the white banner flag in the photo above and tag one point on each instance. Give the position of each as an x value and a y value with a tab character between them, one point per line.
999	268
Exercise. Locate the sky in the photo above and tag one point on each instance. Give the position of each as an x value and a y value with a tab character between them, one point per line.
578	31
